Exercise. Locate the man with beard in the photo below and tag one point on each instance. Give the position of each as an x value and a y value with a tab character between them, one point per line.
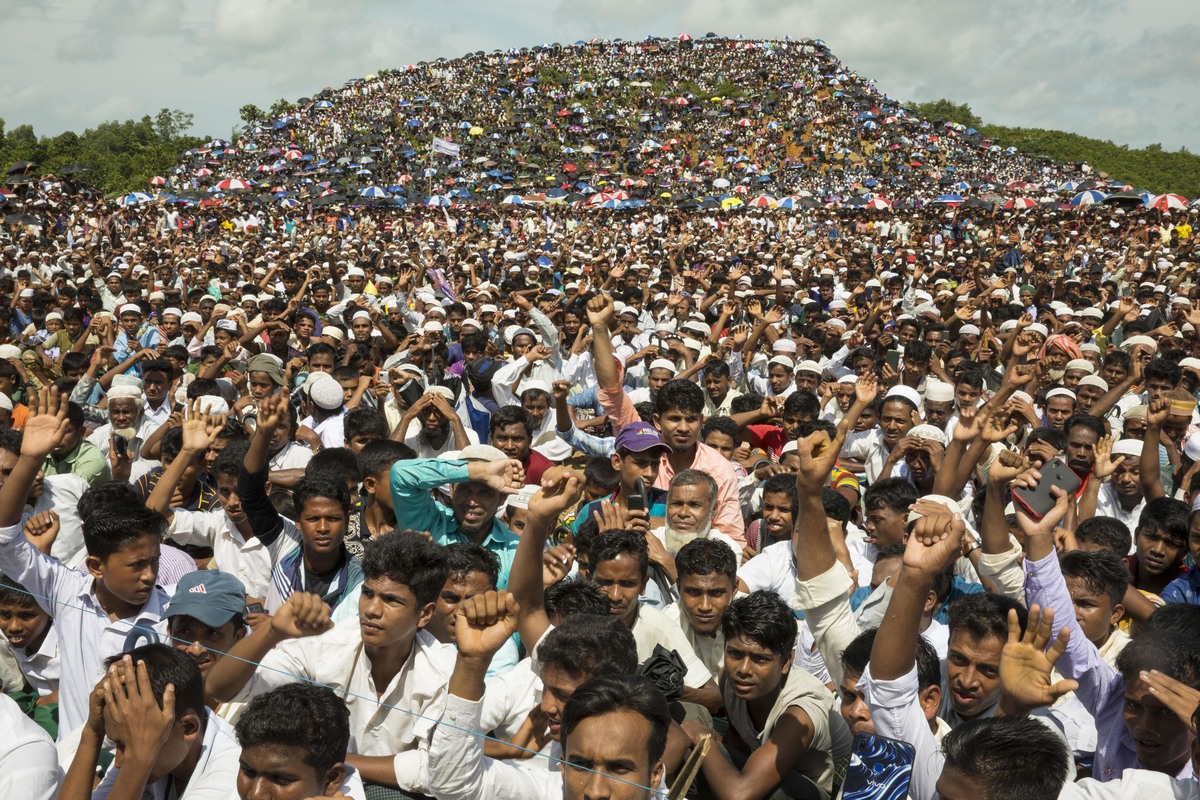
921	452
480	478
431	427
1083	432
691	501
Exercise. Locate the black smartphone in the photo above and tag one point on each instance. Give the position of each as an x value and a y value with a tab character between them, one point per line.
411	392
637	500
254	608
892	357
120	445
1039	501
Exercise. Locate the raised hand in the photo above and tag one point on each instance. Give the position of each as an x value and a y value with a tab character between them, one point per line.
936	538
201	428
866	389
46	426
556	563
506	476
600	311
483	624
304	614
1008	465
1026	664
561	488
42	530
818	454
272	411
1179	697
1105	464
562	390
1157	414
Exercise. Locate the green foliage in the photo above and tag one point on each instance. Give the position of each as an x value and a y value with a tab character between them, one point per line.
946	111
119	156
1150	167
281	107
252	114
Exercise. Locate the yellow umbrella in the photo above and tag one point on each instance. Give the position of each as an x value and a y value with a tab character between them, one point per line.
369	77
731	202
665	194
475	131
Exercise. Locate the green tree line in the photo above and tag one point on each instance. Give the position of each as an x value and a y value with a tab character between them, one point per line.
118	156
1150	167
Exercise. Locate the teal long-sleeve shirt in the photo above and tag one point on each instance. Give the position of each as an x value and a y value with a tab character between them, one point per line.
411	482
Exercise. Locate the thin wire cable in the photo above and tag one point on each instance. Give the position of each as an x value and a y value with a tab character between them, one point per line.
151	632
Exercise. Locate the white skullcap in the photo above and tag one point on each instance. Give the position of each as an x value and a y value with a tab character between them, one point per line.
1060	392
939	391
662	363
928	432
1094	380
1130	448
904	393
326	392
129	308
1081	363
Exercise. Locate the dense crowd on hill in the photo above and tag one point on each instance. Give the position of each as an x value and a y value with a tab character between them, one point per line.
335	466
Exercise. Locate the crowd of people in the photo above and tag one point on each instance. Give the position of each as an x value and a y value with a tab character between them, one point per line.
307	493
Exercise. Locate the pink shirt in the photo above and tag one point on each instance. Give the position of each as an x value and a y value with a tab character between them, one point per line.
727	518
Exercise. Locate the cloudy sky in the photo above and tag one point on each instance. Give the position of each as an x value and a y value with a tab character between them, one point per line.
1114	70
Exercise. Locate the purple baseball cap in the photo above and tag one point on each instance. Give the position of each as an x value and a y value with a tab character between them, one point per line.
638	437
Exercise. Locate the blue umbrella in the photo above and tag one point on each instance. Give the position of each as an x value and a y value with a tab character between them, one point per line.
513	200
438	200
1087	198
324	104
288	202
134	198
373	191
948	198
413	123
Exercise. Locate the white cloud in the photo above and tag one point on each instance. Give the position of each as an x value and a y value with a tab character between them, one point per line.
1098	67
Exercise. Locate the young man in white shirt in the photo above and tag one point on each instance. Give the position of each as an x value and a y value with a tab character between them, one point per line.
381	658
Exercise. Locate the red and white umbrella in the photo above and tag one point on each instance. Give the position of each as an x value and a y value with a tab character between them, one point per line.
685	37
158	180
1168	202
230	184
879	203
628	182
744	122
203	171
1019	203
762	201
619	195
292	155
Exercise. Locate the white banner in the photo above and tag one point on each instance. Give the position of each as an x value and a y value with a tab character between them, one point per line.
446	147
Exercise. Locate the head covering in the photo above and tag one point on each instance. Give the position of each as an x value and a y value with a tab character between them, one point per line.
939	391
269	364
904	393
929	433
481	452
211	596
326	392
638	437
1083	364
1131	449
913	516
1064	343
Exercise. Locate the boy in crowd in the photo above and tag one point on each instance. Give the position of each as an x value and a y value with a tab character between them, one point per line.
382	658
785	736
30	634
707	581
308	555
295	739
150	705
96	612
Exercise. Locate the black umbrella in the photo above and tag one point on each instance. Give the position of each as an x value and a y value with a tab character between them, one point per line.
16	180
21	166
22	219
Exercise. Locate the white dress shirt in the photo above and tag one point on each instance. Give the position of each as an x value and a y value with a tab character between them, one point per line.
28	761
70	598
399	722
247	559
213	778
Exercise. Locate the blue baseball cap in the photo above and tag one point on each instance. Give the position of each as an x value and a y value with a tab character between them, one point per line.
210	596
638	437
